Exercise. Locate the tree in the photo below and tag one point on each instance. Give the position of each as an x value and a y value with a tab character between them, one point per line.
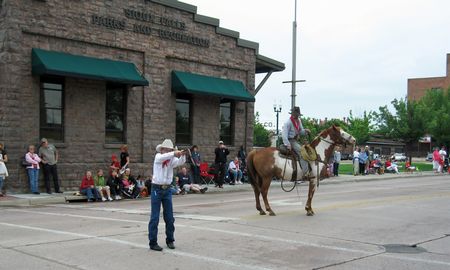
360	127
435	108
261	136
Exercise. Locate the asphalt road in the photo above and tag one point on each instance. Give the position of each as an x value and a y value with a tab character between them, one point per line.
389	224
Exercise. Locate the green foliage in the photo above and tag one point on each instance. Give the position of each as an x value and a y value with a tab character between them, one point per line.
412	120
435	106
407	123
360	127
261	136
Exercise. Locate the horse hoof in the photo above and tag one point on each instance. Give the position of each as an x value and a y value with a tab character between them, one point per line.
272	214
262	213
310	214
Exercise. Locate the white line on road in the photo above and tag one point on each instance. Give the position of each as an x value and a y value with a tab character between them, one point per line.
241	234
117	241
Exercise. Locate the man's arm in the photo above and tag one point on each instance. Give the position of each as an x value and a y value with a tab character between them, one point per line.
285	133
159	158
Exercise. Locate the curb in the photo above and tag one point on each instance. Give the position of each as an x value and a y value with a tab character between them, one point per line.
24	202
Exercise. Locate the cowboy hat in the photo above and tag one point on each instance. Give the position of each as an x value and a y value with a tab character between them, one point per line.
296	110
167	143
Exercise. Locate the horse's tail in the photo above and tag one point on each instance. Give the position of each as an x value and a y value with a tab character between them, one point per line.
252	174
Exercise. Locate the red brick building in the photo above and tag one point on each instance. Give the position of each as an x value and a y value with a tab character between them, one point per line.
418	86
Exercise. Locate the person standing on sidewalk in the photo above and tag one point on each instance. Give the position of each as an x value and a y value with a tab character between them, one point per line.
3	169
220	161
49	156
337	160
356	161
33	170
166	160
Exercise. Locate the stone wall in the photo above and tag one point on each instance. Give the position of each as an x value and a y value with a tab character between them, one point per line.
67	26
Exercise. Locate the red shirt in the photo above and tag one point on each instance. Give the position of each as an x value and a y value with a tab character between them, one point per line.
87	182
388	164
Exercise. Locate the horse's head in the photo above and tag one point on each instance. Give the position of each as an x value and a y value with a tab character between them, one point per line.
339	136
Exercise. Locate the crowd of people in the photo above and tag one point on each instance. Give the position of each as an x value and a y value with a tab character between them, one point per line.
119	182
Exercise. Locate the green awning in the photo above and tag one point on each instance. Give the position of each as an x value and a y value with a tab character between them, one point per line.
184	82
69	65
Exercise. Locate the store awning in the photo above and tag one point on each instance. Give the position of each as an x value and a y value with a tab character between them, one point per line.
69	65
184	82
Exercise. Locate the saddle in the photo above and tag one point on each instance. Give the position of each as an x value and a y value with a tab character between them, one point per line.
284	152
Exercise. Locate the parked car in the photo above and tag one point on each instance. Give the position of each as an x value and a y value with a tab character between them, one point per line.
399	157
429	157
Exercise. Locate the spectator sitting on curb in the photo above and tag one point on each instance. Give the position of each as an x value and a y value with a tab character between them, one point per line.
115	185
175	187
129	185
409	168
3	169
101	186
185	182
87	188
234	169
391	166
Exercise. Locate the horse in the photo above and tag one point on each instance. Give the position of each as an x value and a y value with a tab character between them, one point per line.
265	164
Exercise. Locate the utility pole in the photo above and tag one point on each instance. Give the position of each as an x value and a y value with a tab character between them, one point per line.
294	60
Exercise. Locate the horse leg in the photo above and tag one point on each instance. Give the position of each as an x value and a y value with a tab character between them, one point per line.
312	189
264	192
258	203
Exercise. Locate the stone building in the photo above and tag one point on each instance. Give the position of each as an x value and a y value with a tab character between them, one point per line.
417	87
93	75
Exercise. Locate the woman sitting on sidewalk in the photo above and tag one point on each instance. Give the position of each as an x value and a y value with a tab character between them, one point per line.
87	188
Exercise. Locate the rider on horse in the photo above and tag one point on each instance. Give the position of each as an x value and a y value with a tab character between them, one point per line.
292	129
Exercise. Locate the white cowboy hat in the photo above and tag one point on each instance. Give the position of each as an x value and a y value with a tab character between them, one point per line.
167	143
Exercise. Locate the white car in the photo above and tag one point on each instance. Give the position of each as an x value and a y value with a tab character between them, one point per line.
399	157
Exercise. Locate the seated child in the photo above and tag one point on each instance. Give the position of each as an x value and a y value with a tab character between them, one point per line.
130	188
101	186
409	168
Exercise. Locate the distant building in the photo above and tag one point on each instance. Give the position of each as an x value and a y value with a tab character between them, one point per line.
385	147
417	87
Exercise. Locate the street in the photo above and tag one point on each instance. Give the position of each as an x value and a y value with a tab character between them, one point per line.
389	224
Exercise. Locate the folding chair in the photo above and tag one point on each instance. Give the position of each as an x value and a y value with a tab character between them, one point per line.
205	176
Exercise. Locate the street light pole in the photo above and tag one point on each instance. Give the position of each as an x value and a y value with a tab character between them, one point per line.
277	110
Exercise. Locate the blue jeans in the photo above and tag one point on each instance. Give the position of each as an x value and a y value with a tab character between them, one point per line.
91	193
161	196
33	178
237	175
1	183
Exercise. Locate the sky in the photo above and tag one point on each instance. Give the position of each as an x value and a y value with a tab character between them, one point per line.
355	55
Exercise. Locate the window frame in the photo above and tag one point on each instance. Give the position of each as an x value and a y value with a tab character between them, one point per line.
229	139
186	99
115	86
43	109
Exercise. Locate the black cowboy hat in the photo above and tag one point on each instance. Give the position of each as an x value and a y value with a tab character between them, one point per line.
296	110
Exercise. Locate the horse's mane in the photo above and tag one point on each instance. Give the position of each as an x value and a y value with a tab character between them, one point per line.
316	139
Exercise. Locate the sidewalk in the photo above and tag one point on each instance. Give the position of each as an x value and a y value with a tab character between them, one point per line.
55	198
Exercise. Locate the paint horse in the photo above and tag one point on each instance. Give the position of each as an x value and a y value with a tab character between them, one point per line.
265	164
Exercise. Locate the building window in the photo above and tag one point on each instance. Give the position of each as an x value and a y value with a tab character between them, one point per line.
116	107
52	109
226	123
183	121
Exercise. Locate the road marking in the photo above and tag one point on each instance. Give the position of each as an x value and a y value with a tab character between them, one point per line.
252	236
201	228
206	218
122	242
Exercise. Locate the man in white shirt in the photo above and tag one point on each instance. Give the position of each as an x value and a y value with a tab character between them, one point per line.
165	161
236	171
292	129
